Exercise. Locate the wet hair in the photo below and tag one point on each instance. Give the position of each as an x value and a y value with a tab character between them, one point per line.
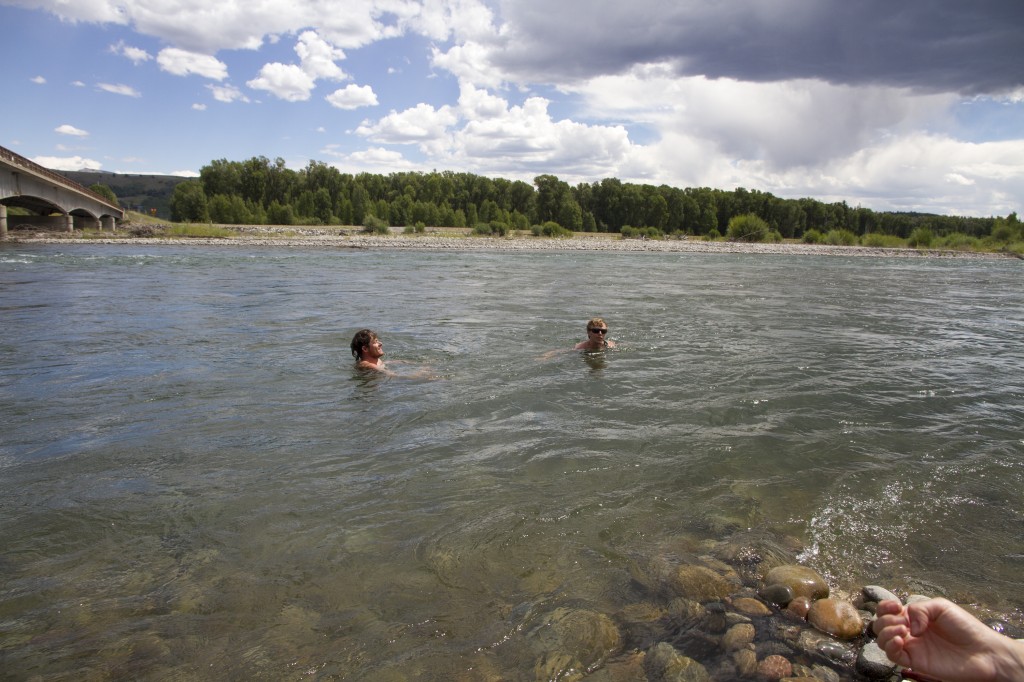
596	322
363	337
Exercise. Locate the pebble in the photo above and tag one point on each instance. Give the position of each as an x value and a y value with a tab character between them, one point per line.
596	242
746	662
876	594
837	618
804	581
738	637
872	662
751	607
664	662
777	594
799	607
775	667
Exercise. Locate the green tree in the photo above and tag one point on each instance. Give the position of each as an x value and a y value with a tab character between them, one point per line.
280	214
188	202
105	192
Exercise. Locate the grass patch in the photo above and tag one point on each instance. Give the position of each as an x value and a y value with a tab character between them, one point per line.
200	231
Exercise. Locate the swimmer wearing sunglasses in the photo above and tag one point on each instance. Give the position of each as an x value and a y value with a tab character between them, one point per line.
597	336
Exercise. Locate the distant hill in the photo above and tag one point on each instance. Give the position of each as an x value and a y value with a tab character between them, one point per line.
140	193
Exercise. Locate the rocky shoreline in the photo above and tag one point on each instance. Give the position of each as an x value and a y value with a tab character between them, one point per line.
279	237
746	610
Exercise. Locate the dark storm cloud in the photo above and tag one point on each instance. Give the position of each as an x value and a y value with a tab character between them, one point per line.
966	46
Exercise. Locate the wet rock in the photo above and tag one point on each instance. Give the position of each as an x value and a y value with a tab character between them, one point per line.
805	582
771	648
775	667
754	553
914	598
799	607
815	642
664	663
643	624
738	637
628	669
717	620
821	673
699	583
874	593
751	607
574	641
745	661
837	618
872	662
684	614
777	594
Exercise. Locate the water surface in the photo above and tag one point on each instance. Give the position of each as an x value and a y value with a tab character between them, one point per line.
195	483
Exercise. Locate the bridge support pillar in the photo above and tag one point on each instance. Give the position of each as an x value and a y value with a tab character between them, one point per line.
3	222
107	222
69	223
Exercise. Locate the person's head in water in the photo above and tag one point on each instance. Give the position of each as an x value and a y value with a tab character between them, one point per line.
367	348
597	335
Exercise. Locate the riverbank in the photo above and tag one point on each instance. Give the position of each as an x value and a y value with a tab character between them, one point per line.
278	237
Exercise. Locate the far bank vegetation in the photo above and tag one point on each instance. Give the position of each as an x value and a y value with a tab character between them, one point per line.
261	192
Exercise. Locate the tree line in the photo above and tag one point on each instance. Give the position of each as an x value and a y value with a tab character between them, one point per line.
258	191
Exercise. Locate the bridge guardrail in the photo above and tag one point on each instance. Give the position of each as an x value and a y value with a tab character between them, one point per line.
19	160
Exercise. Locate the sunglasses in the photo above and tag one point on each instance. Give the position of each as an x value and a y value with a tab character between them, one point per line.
598	331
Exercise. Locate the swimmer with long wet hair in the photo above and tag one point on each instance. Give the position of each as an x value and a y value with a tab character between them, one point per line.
597	336
368	350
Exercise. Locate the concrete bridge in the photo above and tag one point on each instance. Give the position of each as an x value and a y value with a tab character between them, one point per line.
54	200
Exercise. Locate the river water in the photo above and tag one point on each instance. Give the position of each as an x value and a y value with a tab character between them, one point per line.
196	484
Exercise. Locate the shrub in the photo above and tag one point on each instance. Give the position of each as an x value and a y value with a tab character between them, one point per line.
877	240
959	241
920	238
629	232
841	238
418	228
774	237
713	234
550	229
494	228
813	236
1002	232
374	225
747	228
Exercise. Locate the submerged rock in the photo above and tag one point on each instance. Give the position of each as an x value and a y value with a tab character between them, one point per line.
775	667
749	606
574	641
664	663
699	583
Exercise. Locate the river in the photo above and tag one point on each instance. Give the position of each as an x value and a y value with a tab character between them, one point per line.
196	484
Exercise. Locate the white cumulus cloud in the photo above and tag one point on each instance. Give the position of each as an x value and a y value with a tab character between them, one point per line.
67	129
285	81
183	63
352	97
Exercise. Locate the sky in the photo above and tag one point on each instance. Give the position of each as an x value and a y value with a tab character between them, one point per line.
905	105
